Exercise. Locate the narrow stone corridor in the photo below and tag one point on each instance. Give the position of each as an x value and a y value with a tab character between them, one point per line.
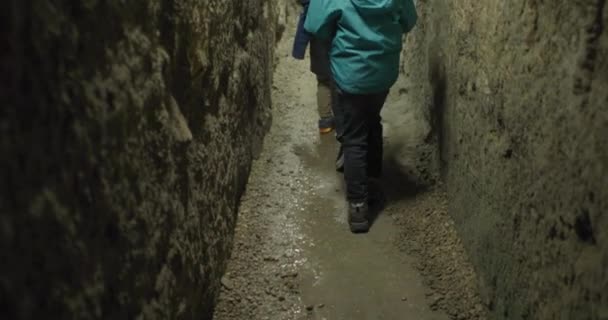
159	159
294	256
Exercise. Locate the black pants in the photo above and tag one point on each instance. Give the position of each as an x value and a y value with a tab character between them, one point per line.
360	133
319	57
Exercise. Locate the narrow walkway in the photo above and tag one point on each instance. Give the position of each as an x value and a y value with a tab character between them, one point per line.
294	257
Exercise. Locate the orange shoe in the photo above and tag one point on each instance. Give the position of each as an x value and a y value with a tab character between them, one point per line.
326	125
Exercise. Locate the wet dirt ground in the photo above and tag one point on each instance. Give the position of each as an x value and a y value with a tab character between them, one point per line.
294	256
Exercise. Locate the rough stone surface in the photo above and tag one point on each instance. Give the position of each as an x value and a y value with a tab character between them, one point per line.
127	132
515	97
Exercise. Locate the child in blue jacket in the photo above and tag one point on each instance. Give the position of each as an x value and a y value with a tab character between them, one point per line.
319	65
366	43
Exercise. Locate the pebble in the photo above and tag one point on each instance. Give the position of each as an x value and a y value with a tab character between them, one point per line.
227	283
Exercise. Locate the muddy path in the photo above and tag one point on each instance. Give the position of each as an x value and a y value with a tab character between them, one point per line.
294	257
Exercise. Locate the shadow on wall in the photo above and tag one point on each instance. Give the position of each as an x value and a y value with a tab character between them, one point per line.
438	84
399	182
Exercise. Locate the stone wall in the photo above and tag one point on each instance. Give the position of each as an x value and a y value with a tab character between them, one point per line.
126	133
515	94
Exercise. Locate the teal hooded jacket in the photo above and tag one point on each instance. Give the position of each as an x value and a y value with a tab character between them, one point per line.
367	39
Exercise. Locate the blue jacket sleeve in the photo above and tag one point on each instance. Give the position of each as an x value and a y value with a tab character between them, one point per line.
302	38
409	16
322	18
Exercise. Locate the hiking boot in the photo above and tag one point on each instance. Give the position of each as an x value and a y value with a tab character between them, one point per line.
340	160
326	125
357	217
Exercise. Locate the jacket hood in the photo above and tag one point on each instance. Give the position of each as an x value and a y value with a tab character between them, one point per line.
373	6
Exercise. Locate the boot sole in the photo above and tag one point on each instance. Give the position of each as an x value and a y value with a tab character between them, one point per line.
359	227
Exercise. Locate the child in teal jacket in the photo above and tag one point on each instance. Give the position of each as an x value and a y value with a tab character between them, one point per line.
364	57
